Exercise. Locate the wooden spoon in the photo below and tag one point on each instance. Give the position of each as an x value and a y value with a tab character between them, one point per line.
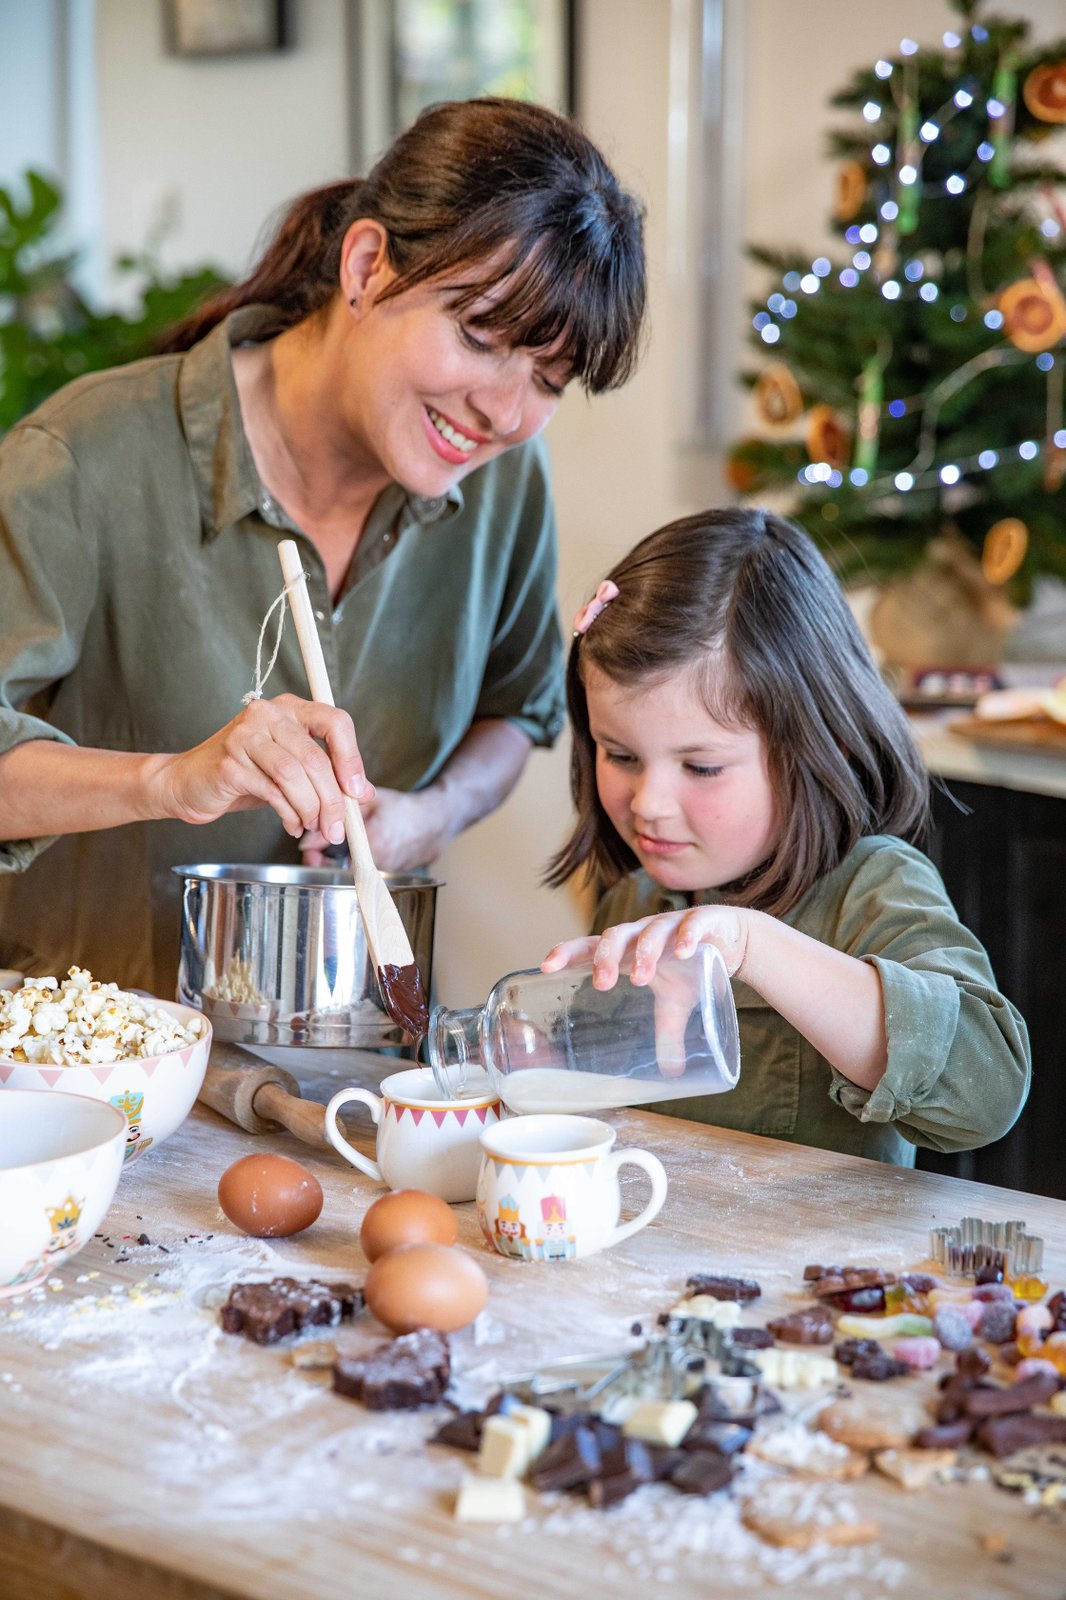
390	949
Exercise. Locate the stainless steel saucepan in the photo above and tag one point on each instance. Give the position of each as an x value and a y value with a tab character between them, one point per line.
278	955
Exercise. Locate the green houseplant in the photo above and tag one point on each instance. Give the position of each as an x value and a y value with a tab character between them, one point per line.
49	333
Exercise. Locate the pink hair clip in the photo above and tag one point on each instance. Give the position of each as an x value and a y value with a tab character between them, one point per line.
606	592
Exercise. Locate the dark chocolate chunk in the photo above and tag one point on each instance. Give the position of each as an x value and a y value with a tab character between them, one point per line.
462	1432
847	1279
867	1302
1034	1391
992	1271
267	1312
811	1325
1057	1306
628	1456
1004	1435
878	1369
606	1492
569	1462
702	1472
750	1338
726	1437
946	1436
849	1350
972	1362
722	1287
918	1282
402	1375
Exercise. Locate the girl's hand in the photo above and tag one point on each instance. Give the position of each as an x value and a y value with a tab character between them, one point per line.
677	933
269	755
405	831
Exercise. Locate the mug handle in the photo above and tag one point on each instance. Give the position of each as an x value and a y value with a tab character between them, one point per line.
340	1143
656	1172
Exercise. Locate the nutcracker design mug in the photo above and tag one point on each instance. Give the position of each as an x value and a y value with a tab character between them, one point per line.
548	1187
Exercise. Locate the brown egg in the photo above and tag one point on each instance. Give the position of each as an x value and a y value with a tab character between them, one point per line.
406	1216
425	1286
269	1196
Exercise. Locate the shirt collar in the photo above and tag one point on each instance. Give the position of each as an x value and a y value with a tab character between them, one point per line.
227	483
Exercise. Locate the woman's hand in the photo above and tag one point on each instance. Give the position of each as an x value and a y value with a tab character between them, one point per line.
406	831
269	755
677	933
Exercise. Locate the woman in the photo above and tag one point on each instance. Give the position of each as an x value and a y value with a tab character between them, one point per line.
374	388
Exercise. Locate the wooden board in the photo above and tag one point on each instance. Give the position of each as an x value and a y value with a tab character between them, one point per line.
145	1453
1022	733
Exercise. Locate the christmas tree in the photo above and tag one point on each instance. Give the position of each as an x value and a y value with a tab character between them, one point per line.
915	386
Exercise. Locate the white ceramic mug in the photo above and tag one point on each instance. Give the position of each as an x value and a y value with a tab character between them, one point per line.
548	1187
424	1141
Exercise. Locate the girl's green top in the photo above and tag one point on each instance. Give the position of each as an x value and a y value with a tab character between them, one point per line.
138	557
958	1051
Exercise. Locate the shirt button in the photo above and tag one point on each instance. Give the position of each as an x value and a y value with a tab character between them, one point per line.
320	616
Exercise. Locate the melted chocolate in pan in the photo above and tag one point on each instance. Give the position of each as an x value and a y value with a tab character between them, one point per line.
405	998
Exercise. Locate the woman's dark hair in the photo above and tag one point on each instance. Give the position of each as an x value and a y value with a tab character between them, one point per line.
504	189
745	603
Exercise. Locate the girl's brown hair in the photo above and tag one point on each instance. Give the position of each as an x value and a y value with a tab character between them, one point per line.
505	190
744	602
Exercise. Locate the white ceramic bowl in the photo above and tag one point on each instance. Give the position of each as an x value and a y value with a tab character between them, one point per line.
60	1160
155	1093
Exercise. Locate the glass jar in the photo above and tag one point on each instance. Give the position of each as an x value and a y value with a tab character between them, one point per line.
550	1041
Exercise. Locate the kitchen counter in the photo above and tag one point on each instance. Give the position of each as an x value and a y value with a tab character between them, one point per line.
147	1453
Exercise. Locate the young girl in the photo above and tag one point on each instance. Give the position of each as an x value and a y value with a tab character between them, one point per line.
742	776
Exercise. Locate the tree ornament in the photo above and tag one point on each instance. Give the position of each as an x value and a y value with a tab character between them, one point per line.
741	475
871	399
1004	93
827	437
1044	92
851	190
1054	467
1034	313
777	396
1004	550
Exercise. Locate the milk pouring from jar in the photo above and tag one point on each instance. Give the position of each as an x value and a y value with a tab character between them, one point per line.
550	1041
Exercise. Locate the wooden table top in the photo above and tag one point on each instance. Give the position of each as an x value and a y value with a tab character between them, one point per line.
146	1453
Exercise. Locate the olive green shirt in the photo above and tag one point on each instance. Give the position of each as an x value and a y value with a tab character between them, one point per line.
958	1052
138	557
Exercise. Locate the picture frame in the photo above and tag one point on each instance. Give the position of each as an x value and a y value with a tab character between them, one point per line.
206	28
407	54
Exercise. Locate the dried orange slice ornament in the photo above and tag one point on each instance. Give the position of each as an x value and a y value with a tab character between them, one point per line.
1034	314
851	190
1044	92
827	437
778	397
1004	549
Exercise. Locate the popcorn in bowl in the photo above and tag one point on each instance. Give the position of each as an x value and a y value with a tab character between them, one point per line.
80	1022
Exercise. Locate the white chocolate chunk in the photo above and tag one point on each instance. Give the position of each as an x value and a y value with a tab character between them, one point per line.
504	1448
723	1313
483	1499
660	1421
795	1369
538	1425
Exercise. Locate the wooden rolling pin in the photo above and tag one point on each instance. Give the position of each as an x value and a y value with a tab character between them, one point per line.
258	1096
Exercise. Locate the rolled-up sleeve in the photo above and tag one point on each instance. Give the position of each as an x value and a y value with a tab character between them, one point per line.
48	583
523	680
958	1050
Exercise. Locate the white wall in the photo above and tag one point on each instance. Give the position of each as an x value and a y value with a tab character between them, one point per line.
220	144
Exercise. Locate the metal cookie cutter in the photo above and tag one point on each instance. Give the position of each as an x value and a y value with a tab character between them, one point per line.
977	1242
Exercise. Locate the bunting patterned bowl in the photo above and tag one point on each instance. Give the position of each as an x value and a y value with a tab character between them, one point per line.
60	1160
154	1093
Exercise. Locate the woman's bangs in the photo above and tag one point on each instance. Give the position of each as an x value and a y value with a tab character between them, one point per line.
545	302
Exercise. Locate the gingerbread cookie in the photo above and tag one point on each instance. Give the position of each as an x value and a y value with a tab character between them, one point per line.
873	1421
799	1515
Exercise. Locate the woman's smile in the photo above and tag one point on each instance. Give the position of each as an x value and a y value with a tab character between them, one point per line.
450	441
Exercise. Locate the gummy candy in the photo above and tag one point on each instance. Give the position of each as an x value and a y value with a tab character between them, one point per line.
1053	1349
919	1353
1033	1319
884	1327
1030	1344
901	1297
952	1328
997	1322
1028	1287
